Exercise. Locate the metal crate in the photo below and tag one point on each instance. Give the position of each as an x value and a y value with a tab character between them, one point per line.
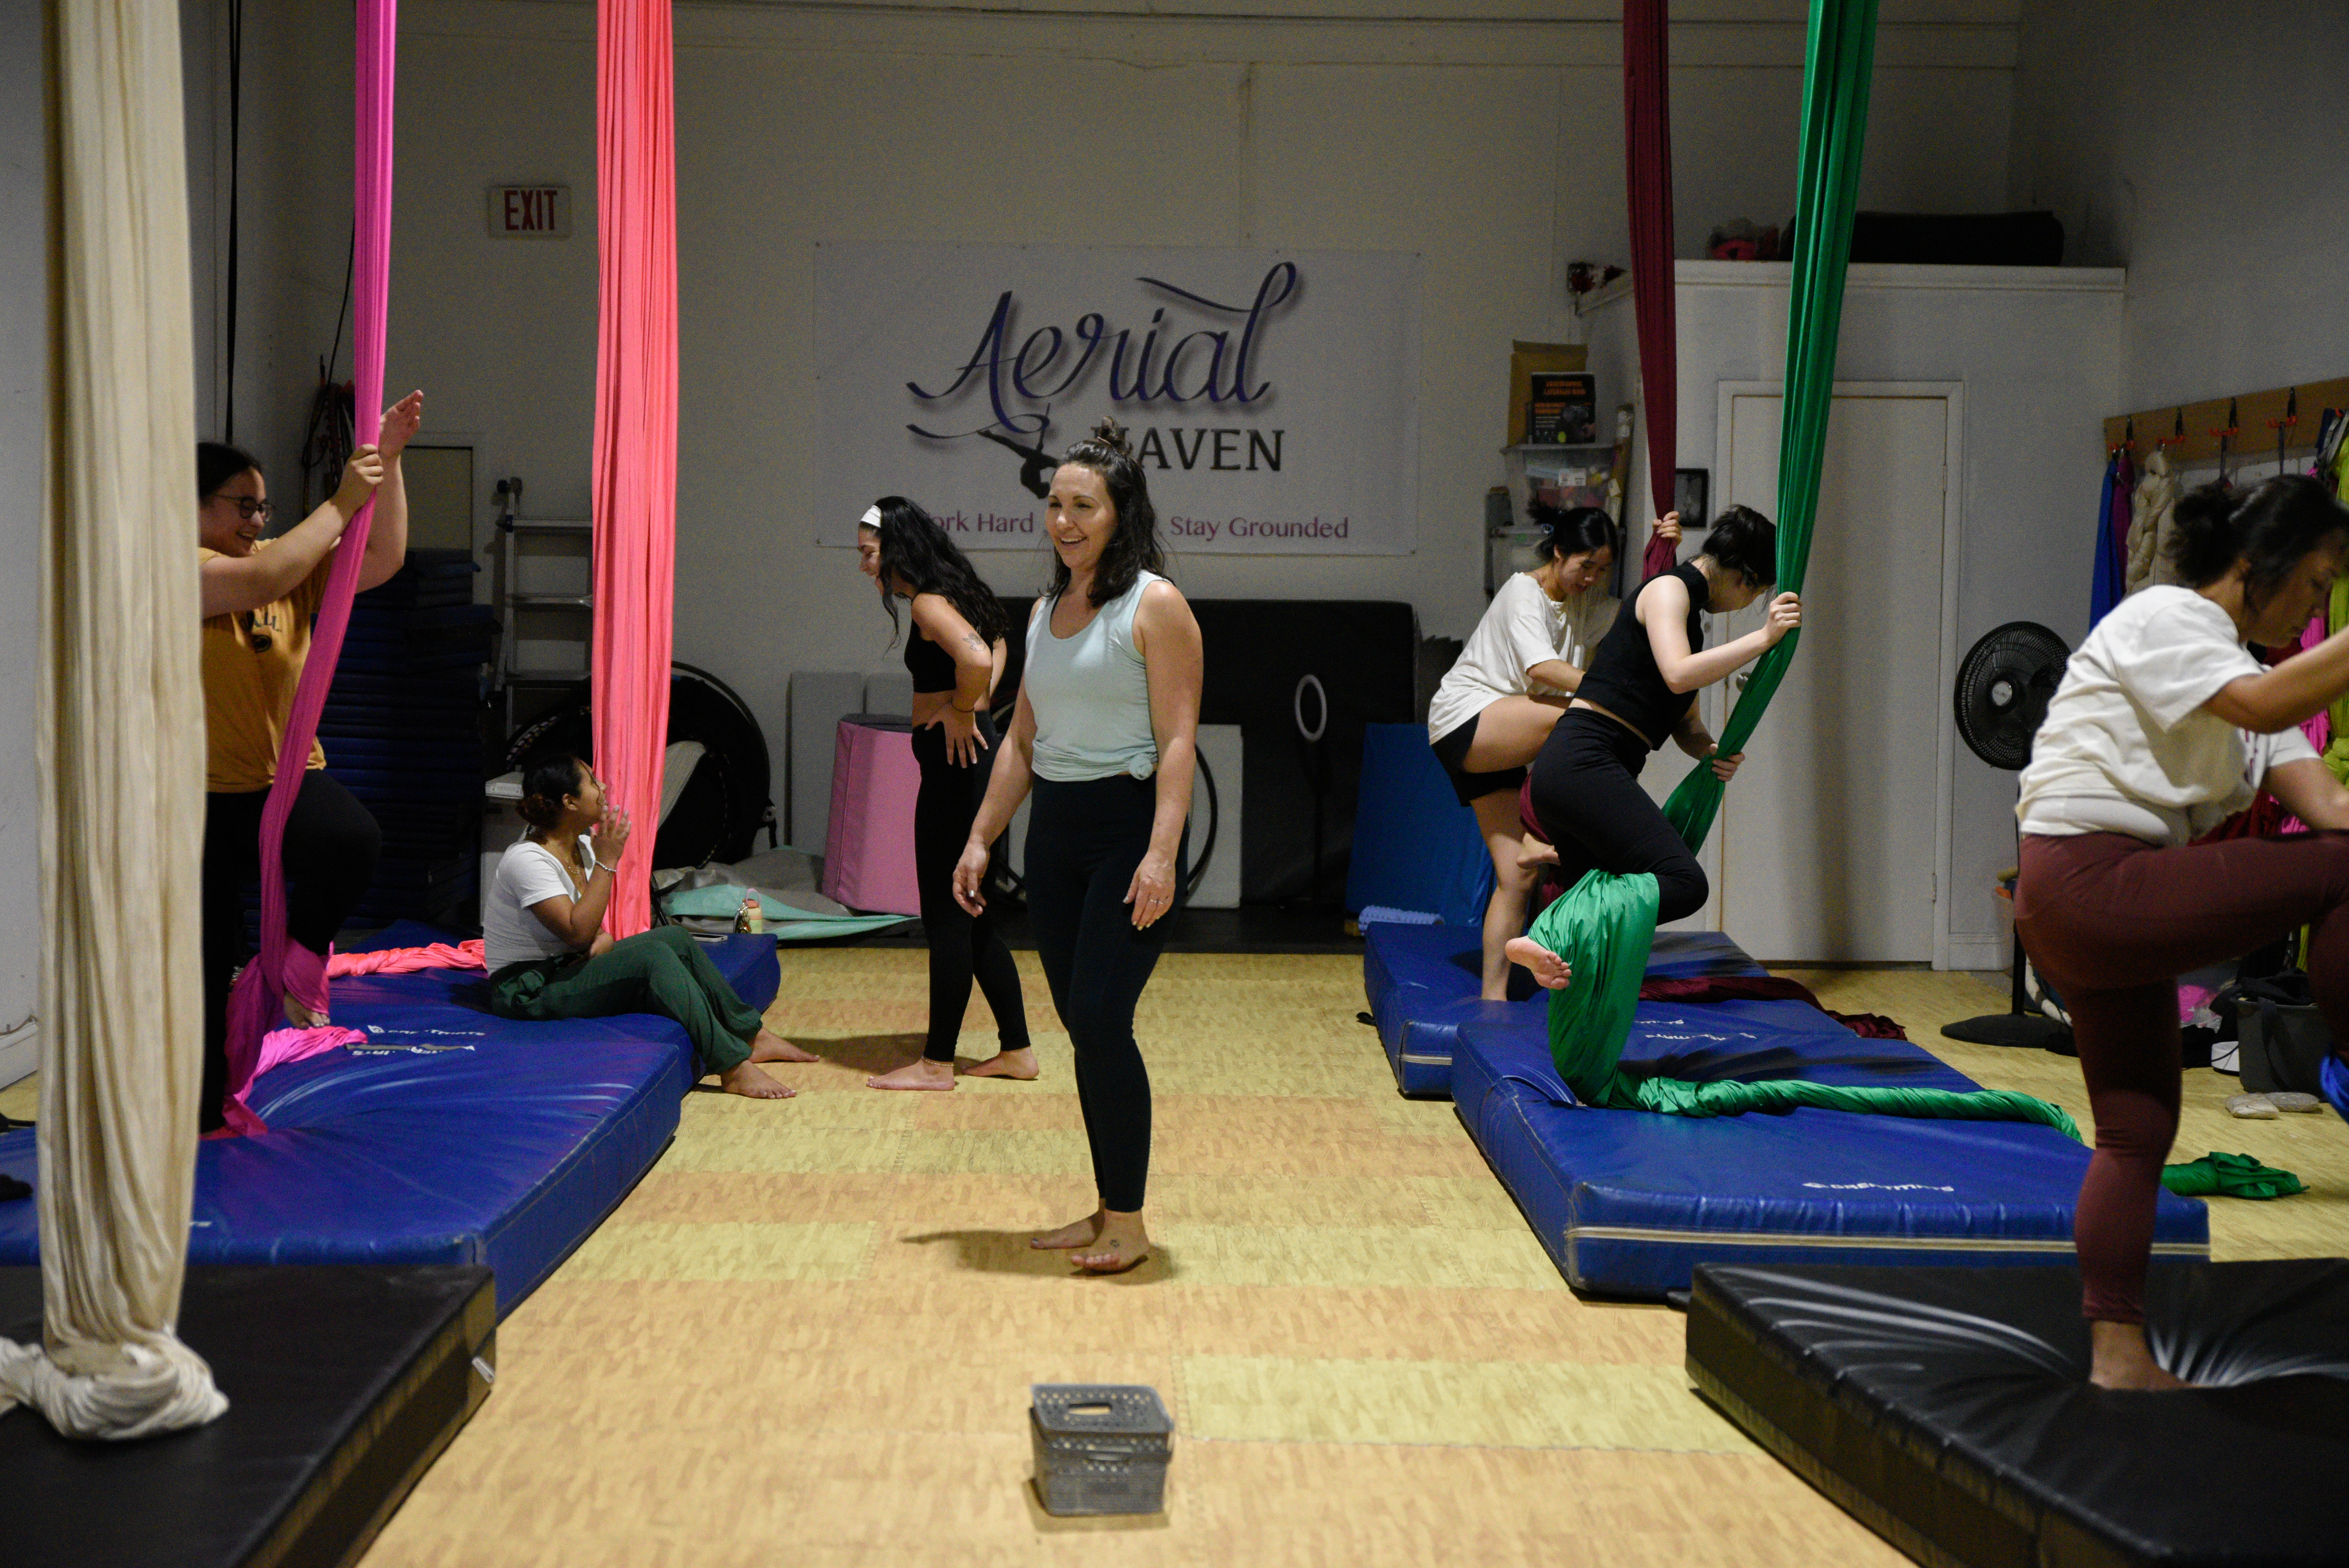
1101	1448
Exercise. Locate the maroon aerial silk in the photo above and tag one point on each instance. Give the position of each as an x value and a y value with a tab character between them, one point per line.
634	480
284	966
1648	179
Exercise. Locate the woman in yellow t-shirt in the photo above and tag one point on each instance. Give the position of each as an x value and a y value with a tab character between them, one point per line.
259	596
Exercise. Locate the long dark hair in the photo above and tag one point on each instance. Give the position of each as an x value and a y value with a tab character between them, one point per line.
1134	548
1573	530
2270	529
1746	543
545	784
217	463
916	553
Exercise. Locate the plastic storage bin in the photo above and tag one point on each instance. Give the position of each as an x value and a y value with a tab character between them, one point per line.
1101	1448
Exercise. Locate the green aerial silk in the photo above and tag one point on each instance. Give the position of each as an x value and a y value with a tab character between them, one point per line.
1609	931
1604	923
2229	1176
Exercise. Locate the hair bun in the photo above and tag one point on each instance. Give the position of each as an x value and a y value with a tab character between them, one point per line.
1109	433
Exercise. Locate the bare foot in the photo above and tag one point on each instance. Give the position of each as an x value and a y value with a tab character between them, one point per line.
1081	1235
1020	1064
919	1073
1122	1245
748	1082
2122	1359
300	1018
770	1047
1553	972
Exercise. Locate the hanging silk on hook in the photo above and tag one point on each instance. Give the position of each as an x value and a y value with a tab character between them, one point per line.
284	966
1648	180
634	501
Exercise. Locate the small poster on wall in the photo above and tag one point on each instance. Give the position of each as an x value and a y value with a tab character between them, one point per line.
1691	497
1562	408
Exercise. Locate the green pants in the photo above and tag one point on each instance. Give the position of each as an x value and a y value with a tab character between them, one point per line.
660	971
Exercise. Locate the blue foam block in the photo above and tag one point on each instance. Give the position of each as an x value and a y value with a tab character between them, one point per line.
1415	845
1627	1202
464	1137
1423	983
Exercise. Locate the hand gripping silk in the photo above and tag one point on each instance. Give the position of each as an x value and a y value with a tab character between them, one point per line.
121	747
1607	923
284	966
1604	923
636	426
1648	179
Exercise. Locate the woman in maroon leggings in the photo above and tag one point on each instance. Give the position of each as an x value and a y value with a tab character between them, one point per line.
2164	727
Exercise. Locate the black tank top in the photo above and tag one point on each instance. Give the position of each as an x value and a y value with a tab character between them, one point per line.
1623	678
932	667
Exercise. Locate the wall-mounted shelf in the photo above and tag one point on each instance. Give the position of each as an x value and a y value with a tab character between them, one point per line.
547	606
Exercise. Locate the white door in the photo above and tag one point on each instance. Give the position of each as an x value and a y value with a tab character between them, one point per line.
1829	841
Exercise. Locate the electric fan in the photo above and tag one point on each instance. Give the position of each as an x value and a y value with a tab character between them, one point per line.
2004	688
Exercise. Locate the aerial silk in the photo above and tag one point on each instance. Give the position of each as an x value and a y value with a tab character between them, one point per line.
284	966
121	745
411	960
1605	923
2108	575
2219	1175
1647	180
634	501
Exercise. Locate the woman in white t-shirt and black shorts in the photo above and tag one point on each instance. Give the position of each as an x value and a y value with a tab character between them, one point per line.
1519	669
548	957
2164	727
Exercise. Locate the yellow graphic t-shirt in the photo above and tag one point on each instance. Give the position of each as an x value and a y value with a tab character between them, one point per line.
252	661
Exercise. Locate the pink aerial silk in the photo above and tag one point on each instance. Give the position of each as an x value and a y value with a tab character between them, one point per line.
1648	177
284	966
410	960
636	426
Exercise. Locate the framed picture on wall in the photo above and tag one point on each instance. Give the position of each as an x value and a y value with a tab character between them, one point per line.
1692	496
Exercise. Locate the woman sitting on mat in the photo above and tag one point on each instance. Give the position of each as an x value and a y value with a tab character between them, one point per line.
1503	694
259	596
2164	726
1106	735
955	654
1641	691
548	955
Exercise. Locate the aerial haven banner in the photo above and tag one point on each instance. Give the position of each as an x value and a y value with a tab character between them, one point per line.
1272	396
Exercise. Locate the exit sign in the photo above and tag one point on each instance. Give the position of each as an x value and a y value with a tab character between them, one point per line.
529	212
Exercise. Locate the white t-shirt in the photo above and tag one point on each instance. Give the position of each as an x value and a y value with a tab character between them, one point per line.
2128	748
528	873
1522	627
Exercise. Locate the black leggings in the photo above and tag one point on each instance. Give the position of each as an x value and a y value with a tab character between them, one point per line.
962	946
331	844
1084	841
1585	790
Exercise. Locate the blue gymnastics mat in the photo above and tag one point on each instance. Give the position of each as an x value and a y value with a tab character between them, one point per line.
1423	983
1627	1202
454	1137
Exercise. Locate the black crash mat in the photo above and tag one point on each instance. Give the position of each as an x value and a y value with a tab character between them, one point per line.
1950	1409
343	1384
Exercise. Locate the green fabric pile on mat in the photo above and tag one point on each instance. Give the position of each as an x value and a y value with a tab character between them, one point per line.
784	922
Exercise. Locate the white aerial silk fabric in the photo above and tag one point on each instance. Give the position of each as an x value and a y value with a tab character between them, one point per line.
121	745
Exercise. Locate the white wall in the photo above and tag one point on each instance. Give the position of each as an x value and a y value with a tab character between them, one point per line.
1492	147
2037	351
24	391
2197	144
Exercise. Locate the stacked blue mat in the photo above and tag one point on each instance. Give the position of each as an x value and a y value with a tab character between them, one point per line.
1627	1202
454	1137
1423	983
402	732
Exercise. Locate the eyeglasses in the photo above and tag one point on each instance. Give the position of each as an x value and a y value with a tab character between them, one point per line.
248	508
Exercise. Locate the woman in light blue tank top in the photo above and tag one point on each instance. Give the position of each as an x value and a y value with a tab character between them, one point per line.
1105	737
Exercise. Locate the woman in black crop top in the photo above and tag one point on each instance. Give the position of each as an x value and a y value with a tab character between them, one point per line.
1641	691
955	654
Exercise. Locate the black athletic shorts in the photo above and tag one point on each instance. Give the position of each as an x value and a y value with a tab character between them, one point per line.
1453	752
